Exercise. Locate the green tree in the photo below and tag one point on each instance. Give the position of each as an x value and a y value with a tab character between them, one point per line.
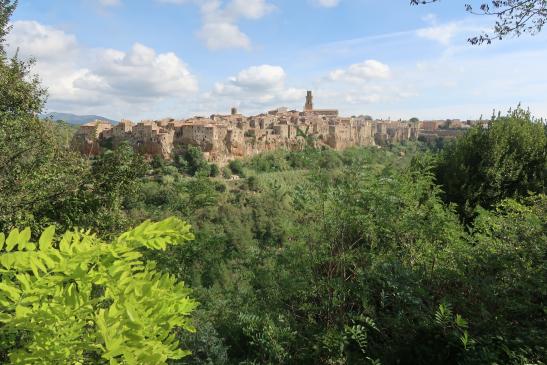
99	203
7	7
36	170
236	166
215	170
195	162
80	298
358	262
507	159
503	273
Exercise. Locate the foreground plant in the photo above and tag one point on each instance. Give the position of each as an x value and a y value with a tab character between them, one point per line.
80	300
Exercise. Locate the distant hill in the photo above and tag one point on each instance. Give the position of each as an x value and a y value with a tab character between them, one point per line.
75	119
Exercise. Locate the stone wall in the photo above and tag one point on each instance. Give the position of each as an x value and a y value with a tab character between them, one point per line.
226	137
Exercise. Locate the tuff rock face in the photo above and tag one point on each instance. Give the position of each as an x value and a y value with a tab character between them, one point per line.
226	137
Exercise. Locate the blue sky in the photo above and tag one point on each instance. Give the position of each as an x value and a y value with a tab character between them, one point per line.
156	58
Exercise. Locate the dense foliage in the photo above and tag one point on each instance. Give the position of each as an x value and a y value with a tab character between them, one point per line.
487	165
400	255
78	299
36	167
357	263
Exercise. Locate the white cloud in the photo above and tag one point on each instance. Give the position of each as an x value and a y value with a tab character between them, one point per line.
177	2
110	81
364	71
256	89
449	83
442	34
143	73
251	9
327	3
220	18
222	35
110	2
264	77
430	18
361	87
37	40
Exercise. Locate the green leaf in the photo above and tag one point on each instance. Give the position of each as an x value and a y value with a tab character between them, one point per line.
24	279
34	268
39	264
464	338
23	238
12	239
31	299
460	322
64	245
12	291
46	238
21	311
131	314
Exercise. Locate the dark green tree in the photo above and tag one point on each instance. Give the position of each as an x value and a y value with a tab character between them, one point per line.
236	166
113	179
36	170
7	7
215	170
506	160
195	162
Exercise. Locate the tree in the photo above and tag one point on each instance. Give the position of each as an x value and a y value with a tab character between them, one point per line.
236	166
36	169
79	299
7	7
195	162
514	17
215	170
506	160
99	201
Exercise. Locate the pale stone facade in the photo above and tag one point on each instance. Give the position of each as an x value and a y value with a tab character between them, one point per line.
226	137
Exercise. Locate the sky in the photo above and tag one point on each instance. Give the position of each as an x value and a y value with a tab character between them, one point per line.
143	59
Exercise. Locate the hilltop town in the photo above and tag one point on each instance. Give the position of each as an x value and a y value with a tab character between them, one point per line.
222	138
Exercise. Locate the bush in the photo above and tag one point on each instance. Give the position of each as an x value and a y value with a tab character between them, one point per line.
269	162
194	162
236	166
214	170
226	173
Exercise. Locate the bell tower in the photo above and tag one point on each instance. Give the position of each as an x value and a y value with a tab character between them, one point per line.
308	107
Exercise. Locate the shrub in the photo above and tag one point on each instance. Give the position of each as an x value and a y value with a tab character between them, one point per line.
226	173
236	166
214	170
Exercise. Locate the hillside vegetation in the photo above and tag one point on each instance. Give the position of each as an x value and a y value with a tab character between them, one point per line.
398	255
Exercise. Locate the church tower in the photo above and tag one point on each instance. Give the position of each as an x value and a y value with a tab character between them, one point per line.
308	107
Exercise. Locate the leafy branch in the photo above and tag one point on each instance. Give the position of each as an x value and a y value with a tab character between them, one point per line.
78	297
514	17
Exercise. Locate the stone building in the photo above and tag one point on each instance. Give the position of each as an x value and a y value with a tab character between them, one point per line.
87	137
226	137
308	106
